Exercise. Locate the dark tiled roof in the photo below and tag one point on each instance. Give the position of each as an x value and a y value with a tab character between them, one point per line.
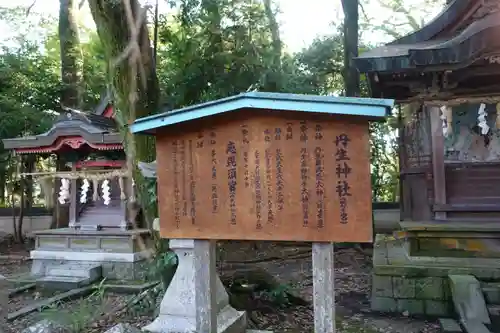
93	127
421	49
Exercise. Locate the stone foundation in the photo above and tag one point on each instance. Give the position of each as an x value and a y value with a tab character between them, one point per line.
118	252
132	271
419	285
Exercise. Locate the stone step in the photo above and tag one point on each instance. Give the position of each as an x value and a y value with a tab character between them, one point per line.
63	282
469	300
102	212
91	272
491	292
494	310
448	325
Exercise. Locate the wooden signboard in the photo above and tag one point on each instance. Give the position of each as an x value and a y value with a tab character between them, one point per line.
282	176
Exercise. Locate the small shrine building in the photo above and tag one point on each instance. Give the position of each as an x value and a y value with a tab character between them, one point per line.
98	192
445	77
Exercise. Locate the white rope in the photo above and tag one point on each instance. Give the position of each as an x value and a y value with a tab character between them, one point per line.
85	189
481	119
92	175
64	191
105	192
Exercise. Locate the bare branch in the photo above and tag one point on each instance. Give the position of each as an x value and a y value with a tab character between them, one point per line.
362	7
30	7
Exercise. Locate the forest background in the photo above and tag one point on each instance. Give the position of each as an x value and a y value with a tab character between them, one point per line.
57	54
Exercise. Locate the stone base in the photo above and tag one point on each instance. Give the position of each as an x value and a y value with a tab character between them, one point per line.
136	270
420	285
452	239
117	252
228	321
111	240
178	308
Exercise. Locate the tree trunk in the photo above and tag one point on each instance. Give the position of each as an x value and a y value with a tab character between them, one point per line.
30	167
13	206
111	22
351	28
110	18
274	81
71	54
22	205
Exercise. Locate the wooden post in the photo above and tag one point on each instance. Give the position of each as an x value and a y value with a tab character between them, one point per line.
205	275
323	287
438	172
126	204
73	190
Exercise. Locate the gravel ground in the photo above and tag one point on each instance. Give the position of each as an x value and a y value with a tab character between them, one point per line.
291	265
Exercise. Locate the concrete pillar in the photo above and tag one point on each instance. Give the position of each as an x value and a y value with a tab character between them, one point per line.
178	307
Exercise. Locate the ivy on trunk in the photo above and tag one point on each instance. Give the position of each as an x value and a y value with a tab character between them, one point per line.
136	92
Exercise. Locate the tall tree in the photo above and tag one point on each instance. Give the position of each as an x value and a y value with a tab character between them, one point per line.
351	40
71	54
123	31
135	88
274	82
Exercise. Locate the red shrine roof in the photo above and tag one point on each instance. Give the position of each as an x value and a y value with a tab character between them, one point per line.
73	130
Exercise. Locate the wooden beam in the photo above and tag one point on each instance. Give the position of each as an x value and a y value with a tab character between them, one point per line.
437	145
466	208
73	216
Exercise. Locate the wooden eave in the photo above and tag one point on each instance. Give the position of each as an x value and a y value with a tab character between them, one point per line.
464	36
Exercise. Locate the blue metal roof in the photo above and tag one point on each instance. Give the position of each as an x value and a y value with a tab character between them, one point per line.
364	107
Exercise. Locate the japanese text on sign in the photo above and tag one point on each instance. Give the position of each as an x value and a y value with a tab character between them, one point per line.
277	179
343	171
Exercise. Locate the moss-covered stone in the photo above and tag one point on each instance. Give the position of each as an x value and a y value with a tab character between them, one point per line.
437	308
382	286
412	306
403	288
383	304
429	288
126	270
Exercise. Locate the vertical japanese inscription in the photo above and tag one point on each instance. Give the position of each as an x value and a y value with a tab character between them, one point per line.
320	187
231	175
258	191
200	141
269	185
304	175
245	141
319	132
215	195
177	217
289	131
277	134
182	157
267	135
280	183
192	184
343	170
304	191
319	156
303	131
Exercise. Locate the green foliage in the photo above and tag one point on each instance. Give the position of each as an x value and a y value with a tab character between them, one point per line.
384	162
78	319
146	303
207	50
280	295
163	267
